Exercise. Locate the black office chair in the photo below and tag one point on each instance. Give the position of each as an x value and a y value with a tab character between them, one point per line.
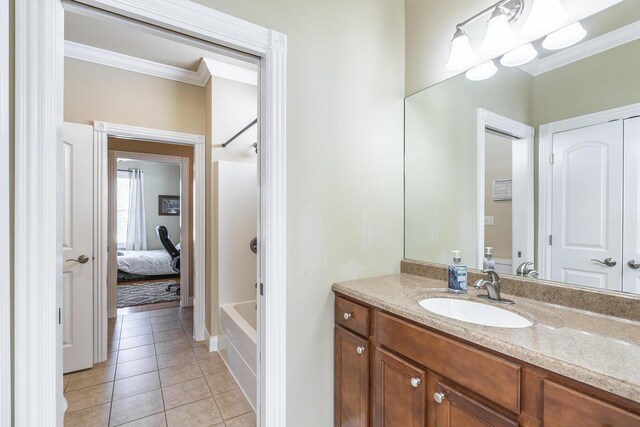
174	253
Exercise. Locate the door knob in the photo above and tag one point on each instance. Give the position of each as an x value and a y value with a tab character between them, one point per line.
609	262
359	350
347	316
634	264
415	382
82	259
438	397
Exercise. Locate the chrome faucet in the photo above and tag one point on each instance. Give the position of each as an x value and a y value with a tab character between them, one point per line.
492	285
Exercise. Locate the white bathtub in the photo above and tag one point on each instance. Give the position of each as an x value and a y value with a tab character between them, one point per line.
240	347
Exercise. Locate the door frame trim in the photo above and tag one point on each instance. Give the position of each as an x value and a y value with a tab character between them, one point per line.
5	220
39	83
186	221
545	172
487	119
102	131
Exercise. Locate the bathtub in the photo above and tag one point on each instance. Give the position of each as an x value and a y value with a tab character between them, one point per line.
239	348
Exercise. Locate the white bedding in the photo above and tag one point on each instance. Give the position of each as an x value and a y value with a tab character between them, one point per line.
146	263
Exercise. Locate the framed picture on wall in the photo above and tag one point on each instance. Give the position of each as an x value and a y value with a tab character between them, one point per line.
168	205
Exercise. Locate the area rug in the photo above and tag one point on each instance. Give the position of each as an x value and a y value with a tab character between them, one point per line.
146	293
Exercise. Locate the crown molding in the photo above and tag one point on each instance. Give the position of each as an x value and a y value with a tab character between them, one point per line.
584	50
208	67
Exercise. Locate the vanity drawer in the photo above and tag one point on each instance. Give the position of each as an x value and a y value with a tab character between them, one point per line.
563	407
496	379
352	316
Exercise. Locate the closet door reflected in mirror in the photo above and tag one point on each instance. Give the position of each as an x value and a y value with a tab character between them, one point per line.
631	221
587	206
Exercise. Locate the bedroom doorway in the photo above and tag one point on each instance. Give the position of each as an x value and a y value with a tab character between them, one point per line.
149	214
148	232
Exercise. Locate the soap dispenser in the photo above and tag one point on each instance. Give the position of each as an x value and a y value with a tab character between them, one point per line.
457	275
488	263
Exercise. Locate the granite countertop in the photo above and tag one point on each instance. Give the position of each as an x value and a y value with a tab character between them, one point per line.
595	349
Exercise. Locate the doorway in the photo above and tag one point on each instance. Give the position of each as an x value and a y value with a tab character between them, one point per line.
150	207
38	393
505	202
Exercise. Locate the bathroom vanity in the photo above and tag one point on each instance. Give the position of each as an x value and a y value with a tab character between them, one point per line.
397	364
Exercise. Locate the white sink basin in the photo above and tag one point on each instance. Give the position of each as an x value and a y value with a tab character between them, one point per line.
475	312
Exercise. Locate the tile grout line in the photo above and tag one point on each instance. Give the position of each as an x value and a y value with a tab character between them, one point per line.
116	370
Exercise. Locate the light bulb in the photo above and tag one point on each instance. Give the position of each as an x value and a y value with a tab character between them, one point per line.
564	37
482	71
519	56
462	55
545	16
499	37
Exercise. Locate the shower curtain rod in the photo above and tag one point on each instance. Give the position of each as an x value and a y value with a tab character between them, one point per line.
239	133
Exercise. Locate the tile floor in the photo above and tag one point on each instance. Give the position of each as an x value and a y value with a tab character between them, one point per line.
156	375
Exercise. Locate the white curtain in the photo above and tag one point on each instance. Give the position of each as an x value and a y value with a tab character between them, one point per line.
136	223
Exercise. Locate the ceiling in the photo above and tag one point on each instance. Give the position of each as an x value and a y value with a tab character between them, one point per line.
141	41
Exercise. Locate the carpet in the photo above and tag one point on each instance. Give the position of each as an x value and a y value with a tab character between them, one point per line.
146	293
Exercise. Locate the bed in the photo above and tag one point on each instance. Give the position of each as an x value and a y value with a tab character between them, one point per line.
144	263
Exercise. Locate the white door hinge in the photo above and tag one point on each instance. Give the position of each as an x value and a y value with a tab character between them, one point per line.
551	158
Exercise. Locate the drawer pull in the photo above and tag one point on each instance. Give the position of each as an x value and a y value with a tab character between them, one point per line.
438	397
359	350
347	316
415	382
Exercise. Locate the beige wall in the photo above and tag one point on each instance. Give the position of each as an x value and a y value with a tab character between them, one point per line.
498	165
344	168
430	25
95	92
159	179
600	82
441	160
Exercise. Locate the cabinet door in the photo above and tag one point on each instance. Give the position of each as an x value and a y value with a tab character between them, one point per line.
400	392
563	407
351	380
454	409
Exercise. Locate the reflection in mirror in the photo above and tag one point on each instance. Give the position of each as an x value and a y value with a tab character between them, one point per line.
539	162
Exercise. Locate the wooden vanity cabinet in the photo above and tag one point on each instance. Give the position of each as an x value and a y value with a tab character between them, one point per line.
390	372
351	379
351	359
399	392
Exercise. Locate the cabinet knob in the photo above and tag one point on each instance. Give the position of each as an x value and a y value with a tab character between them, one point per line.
347	316
438	397
415	382
359	350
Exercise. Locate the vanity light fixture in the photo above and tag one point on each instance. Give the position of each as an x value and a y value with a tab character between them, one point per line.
564	37
482	71
519	56
462	55
545	16
499	37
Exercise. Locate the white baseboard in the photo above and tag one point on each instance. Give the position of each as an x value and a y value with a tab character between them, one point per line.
215	342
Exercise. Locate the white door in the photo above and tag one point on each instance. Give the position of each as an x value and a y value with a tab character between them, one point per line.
522	222
587	206
77	248
631	240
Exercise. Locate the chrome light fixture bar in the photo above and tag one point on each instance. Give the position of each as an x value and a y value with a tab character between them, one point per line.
503	12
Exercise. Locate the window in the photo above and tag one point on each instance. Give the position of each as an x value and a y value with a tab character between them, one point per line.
122	208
